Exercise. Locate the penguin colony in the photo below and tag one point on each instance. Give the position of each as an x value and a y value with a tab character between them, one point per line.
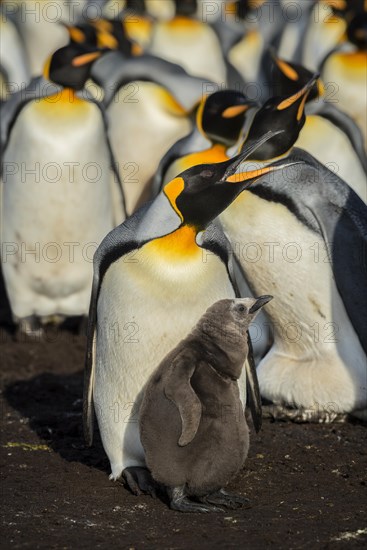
159	157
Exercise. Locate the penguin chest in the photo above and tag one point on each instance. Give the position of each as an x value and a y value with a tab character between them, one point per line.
56	205
316	356
144	122
148	303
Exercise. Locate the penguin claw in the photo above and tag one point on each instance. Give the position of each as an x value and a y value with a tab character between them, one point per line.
228	500
186	505
140	481
179	501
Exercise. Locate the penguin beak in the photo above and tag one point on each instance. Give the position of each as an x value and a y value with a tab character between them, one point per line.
260	302
230	174
244	179
299	97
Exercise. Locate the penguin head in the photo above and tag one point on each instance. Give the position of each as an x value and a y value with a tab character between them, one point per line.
244	7
185	8
220	116
70	66
280	113
226	322
200	193
287	78
84	33
111	34
137	7
357	31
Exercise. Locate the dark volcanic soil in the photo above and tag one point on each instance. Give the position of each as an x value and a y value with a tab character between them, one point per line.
306	483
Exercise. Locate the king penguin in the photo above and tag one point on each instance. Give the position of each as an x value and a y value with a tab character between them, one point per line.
293	233
58	191
148	101
329	134
219	122
168	252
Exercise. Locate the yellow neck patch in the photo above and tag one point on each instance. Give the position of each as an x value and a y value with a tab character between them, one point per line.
177	246
168	102
183	23
64	104
217	153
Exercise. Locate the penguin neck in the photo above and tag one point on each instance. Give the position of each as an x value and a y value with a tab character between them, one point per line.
216	153
180	245
66	95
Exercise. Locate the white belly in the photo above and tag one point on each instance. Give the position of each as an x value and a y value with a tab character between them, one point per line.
145	308
54	218
141	130
316	359
331	146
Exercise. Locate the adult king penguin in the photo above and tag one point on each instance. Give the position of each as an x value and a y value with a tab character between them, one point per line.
57	192
168	252
148	101
219	122
293	235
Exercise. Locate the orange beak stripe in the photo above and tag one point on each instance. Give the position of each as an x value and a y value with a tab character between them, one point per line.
290	100
243	176
85	58
301	107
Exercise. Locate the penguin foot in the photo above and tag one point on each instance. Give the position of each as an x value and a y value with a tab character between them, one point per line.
318	415
228	500
140	481
29	329
179	501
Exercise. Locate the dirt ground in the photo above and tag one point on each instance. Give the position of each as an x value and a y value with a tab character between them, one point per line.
307	484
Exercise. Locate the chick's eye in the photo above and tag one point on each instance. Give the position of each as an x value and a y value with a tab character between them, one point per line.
241	308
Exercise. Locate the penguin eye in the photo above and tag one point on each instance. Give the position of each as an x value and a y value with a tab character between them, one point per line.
241	308
206	173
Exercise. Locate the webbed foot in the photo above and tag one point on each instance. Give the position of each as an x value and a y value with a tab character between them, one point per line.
179	501
228	500
140	481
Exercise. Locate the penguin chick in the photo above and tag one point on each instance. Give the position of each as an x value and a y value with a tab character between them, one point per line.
194	395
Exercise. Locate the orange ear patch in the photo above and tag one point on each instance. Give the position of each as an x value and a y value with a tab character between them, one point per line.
172	190
287	70
76	34
107	40
85	58
233	111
